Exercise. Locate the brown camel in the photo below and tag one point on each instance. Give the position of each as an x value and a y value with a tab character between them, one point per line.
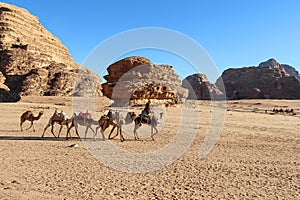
116	121
28	116
83	121
103	123
60	118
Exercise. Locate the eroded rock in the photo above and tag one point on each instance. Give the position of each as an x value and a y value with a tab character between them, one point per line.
135	80
200	88
35	62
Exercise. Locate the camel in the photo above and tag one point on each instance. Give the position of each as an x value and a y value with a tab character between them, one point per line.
28	116
104	123
138	121
275	111
60	118
151	121
83	121
116	121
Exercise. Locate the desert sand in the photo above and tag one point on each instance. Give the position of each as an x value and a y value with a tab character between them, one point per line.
257	156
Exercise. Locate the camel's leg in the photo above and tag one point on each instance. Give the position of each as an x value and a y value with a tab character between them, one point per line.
121	135
61	126
136	126
67	136
86	130
76	130
95	133
45	129
33	127
156	131
97	128
68	132
92	129
85	133
134	131
52	127
152	132
31	124
21	123
102	132
49	124
112	132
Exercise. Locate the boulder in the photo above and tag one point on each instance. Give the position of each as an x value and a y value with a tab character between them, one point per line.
200	88
5	94
135	80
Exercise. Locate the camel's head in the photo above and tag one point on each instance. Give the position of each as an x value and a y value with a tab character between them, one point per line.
132	115
41	113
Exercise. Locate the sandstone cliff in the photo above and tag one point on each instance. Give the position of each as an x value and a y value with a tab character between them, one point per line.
200	88
35	62
136	79
269	80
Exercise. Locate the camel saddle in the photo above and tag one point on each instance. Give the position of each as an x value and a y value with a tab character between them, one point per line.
145	119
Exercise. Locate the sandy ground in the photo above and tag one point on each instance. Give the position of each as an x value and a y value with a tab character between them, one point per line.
257	156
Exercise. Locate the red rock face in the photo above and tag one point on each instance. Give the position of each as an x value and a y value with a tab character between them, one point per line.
119	68
137	79
269	80
200	88
35	62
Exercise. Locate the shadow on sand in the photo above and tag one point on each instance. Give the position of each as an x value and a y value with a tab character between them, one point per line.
35	138
64	138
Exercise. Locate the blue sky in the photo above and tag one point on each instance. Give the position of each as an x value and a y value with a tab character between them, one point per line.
235	33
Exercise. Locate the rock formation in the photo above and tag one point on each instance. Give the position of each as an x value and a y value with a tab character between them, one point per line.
200	88
269	80
35	62
5	94
136	79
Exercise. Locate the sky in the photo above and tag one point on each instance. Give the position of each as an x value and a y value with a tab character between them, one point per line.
234	33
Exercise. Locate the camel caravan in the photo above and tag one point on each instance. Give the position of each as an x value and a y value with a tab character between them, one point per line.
282	111
112	118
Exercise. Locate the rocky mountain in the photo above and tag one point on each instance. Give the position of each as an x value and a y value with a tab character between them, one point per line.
274	64
200	88
269	80
34	62
136	79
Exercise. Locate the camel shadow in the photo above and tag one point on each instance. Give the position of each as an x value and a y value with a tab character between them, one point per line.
34	138
130	139
10	131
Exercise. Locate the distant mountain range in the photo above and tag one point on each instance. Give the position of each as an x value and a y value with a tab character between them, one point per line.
270	80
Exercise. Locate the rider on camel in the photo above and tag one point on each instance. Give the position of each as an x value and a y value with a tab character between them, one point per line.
145	113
